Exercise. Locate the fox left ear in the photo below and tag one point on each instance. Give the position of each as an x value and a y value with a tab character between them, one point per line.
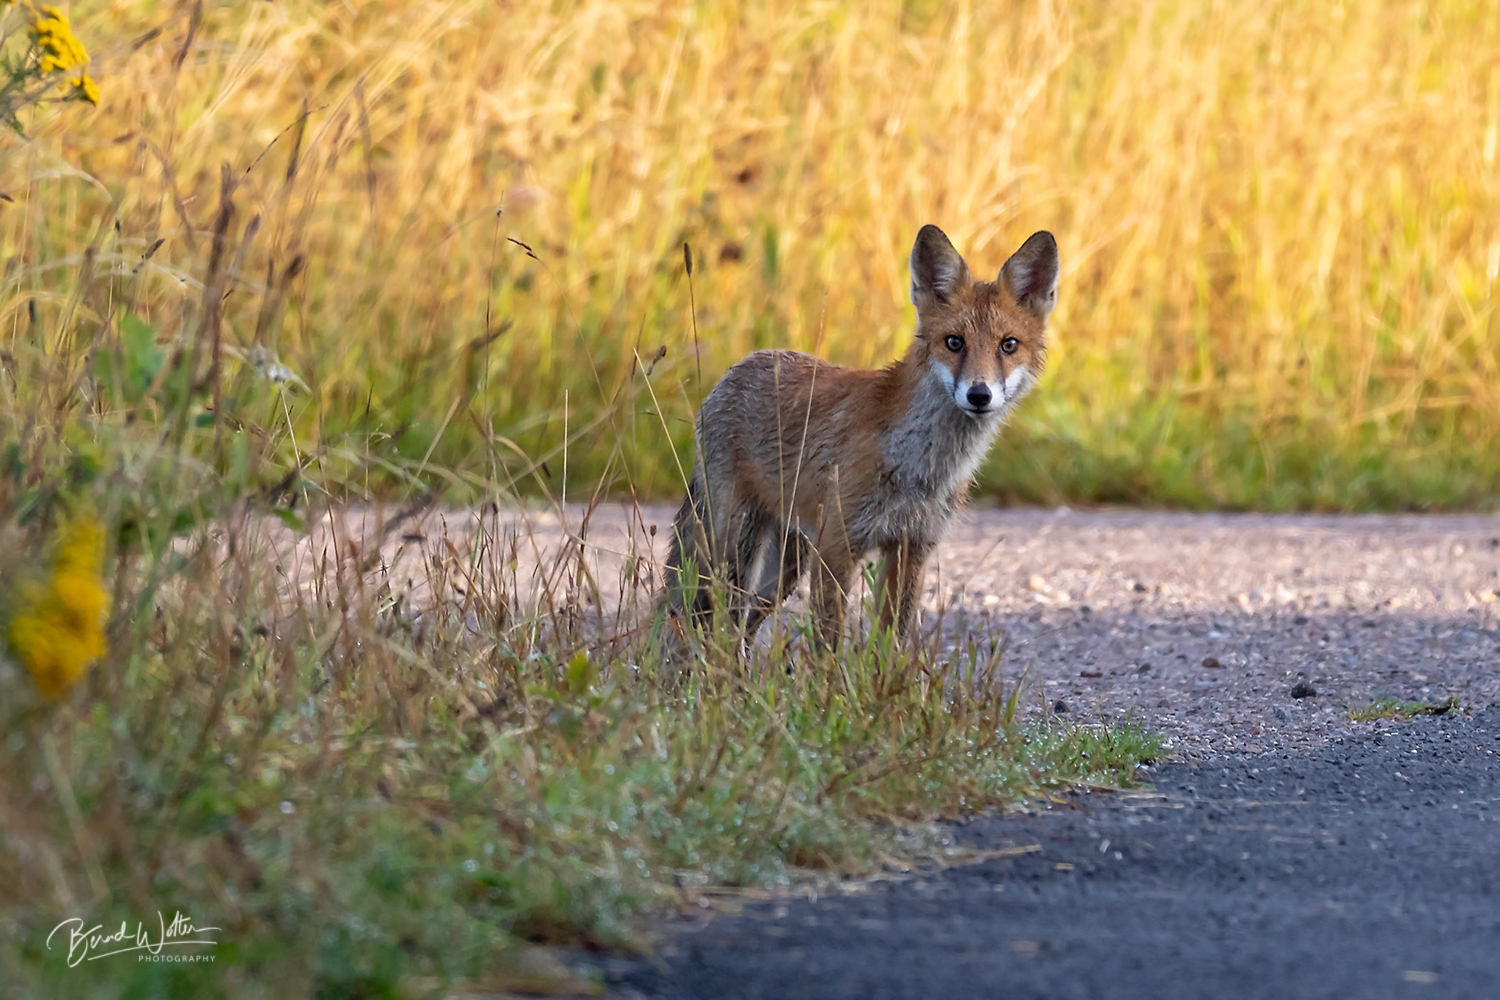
937	271
1031	274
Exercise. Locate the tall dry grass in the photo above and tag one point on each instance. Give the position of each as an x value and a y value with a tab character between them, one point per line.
1279	220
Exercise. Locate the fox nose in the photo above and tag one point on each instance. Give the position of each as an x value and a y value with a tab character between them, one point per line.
979	396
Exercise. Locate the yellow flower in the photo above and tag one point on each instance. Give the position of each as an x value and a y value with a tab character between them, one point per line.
86	89
57	631
54	38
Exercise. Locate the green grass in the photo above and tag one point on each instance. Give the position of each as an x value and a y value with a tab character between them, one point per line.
1394	708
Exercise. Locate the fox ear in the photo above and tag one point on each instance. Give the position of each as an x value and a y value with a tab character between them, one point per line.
937	271
1031	274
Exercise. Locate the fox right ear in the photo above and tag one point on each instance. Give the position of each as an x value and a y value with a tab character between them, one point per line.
937	271
1031	274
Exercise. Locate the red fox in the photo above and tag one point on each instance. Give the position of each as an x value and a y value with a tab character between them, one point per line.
803	465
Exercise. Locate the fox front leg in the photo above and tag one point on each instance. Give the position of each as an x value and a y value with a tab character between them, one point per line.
900	582
832	572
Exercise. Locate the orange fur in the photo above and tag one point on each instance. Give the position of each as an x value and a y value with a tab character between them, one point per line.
805	466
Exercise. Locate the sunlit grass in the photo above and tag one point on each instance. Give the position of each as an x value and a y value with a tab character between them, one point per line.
1279	222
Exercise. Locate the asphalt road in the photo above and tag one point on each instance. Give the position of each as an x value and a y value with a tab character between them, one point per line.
1368	868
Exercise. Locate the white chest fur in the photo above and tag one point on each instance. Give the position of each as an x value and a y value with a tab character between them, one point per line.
936	448
931	455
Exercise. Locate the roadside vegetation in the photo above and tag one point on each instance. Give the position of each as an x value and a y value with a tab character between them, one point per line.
376	784
1391	707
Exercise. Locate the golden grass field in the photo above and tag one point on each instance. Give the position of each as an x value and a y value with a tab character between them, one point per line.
1280	223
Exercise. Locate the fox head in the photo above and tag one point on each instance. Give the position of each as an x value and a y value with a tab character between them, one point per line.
985	340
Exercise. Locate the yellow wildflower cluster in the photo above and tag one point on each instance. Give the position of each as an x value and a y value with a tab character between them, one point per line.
61	50
57	629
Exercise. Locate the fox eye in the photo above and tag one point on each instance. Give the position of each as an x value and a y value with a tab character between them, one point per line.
1009	345
954	344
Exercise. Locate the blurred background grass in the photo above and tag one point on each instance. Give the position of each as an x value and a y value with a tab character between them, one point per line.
1279	223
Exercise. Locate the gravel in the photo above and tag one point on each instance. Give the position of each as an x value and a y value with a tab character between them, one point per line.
1231	632
1225	632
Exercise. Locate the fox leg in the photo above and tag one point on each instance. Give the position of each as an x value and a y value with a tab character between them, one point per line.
899	583
743	569
747	530
833	571
783	556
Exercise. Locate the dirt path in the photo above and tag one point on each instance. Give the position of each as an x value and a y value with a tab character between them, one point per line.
1199	624
1203	624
